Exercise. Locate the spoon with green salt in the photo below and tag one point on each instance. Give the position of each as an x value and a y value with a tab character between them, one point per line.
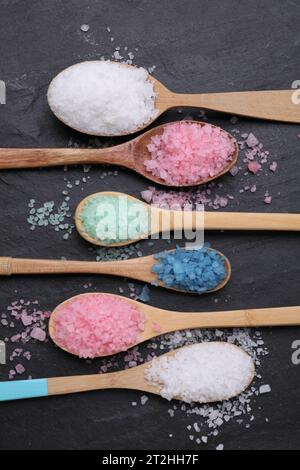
114	219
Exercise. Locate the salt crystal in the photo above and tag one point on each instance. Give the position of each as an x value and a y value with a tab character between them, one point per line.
20	369
85	28
220	447
264	389
38	333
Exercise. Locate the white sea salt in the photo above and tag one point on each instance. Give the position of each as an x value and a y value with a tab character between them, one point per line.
264	389
85	28
103	97
205	372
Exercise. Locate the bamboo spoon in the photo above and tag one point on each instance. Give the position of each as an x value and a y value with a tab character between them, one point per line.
135	268
274	105
131	379
169	321
162	219
130	155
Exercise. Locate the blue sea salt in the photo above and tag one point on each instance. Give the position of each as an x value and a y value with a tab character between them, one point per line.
197	270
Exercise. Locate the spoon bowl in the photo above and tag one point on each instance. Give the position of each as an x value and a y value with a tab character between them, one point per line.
158	321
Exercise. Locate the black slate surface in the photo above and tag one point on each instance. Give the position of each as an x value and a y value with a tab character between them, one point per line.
197	46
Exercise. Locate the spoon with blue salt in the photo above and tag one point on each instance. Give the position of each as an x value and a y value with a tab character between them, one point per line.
197	271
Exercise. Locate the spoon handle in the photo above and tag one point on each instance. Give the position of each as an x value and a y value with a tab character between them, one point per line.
139	269
172	321
232	221
274	105
38	158
20	389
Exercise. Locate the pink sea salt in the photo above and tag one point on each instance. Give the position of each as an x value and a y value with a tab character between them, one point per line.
254	167
38	333
186	153
97	324
20	369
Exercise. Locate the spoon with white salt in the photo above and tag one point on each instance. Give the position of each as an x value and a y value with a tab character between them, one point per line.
201	373
131	155
109	99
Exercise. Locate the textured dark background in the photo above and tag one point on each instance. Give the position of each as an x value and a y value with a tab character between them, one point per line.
197	46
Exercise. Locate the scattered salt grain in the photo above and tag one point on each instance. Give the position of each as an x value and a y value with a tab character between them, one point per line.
85	28
264	389
20	369
220	447
93	97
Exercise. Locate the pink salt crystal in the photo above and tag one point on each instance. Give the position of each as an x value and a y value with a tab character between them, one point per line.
252	140
38	333
97	324
187	153
11	374
234	171
156	327
253	189
254	167
26	319
273	166
268	199
147	195
20	369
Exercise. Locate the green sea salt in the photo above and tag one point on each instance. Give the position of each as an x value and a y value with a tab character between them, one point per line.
115	219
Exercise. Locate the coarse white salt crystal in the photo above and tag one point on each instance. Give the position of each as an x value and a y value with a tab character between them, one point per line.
265	389
144	400
220	447
85	28
103	97
203	373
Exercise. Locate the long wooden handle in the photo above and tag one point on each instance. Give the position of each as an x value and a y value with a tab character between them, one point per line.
139	269
230	221
10	266
172	321
274	105
38	158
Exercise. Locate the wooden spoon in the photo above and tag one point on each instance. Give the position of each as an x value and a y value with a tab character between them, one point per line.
131	379
273	105
169	321
179	220
135	268
130	155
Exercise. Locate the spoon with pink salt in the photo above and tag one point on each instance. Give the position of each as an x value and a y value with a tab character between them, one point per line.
99	324
178	154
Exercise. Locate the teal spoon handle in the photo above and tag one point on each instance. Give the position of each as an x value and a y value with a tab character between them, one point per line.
19	389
